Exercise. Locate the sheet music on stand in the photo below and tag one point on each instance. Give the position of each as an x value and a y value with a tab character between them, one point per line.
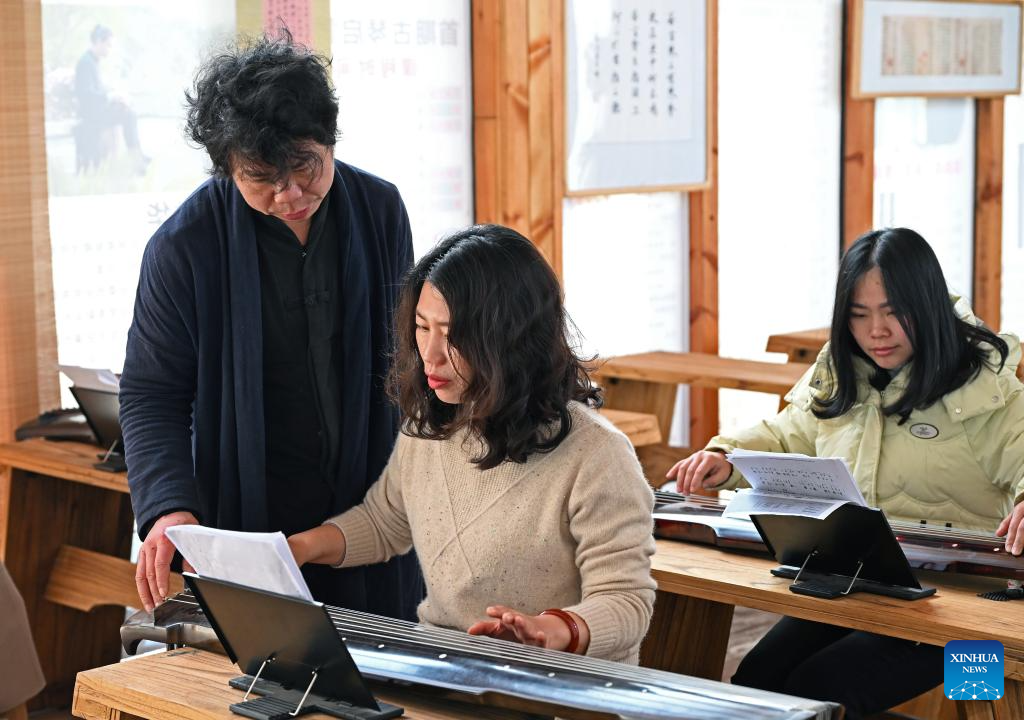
91	378
792	484
258	560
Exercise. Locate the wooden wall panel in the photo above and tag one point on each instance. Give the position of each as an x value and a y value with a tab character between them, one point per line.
704	260
28	342
988	210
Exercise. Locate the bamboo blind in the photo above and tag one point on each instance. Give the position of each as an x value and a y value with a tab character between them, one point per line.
28	341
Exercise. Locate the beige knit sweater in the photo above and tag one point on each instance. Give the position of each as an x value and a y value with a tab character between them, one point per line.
568	529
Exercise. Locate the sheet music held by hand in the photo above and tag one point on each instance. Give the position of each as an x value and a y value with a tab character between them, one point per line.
258	560
792	484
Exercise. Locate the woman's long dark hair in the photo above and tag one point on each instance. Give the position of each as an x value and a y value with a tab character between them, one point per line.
948	351
508	324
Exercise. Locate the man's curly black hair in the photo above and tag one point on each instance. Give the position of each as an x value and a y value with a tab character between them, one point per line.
258	105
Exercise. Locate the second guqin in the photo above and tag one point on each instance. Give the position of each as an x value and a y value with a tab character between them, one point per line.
696	518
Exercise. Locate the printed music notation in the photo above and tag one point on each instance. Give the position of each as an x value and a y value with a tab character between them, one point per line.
792	484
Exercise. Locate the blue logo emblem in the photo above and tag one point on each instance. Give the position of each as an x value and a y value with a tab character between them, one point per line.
973	670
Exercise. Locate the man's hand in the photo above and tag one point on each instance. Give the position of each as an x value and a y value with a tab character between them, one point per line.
547	631
154	567
704	469
1012	527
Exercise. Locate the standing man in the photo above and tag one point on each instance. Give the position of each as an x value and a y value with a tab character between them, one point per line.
253	389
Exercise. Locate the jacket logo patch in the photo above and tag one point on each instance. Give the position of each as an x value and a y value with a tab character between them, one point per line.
924	431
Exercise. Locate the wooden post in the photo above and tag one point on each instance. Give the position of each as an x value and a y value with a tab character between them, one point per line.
28	336
544	25
858	173
704	258
487	40
518	118
514	117
988	210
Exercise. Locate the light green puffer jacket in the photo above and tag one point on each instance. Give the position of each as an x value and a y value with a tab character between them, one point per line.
959	461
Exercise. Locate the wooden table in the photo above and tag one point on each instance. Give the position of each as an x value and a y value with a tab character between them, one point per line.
55	506
698	587
193	684
802	346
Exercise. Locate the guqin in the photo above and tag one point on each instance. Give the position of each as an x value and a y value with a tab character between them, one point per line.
696	518
495	672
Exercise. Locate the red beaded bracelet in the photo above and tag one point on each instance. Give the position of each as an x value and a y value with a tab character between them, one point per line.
574	629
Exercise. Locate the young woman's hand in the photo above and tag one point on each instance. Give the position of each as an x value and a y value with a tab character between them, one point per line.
546	631
704	469
324	544
1012	527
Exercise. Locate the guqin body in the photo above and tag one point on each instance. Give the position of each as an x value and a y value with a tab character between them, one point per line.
494	672
695	518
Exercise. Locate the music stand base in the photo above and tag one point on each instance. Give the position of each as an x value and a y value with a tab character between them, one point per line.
277	703
832	586
111	462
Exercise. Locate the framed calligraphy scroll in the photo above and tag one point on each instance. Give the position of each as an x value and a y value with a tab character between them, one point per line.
636	93
936	48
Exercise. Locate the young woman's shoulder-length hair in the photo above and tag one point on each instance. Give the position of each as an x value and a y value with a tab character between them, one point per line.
508	323
947	350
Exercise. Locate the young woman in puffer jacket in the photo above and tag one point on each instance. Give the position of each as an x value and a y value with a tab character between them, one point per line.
922	401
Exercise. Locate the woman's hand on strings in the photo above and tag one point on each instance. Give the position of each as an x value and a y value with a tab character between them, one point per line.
1012	527
702	470
546	631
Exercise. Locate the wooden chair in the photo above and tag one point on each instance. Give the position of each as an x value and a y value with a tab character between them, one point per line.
641	428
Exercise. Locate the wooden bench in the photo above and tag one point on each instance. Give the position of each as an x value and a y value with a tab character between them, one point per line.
704	370
801	346
647	383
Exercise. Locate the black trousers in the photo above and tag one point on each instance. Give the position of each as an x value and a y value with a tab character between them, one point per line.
865	672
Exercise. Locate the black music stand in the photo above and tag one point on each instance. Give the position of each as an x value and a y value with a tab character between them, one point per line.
101	408
851	550
286	647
